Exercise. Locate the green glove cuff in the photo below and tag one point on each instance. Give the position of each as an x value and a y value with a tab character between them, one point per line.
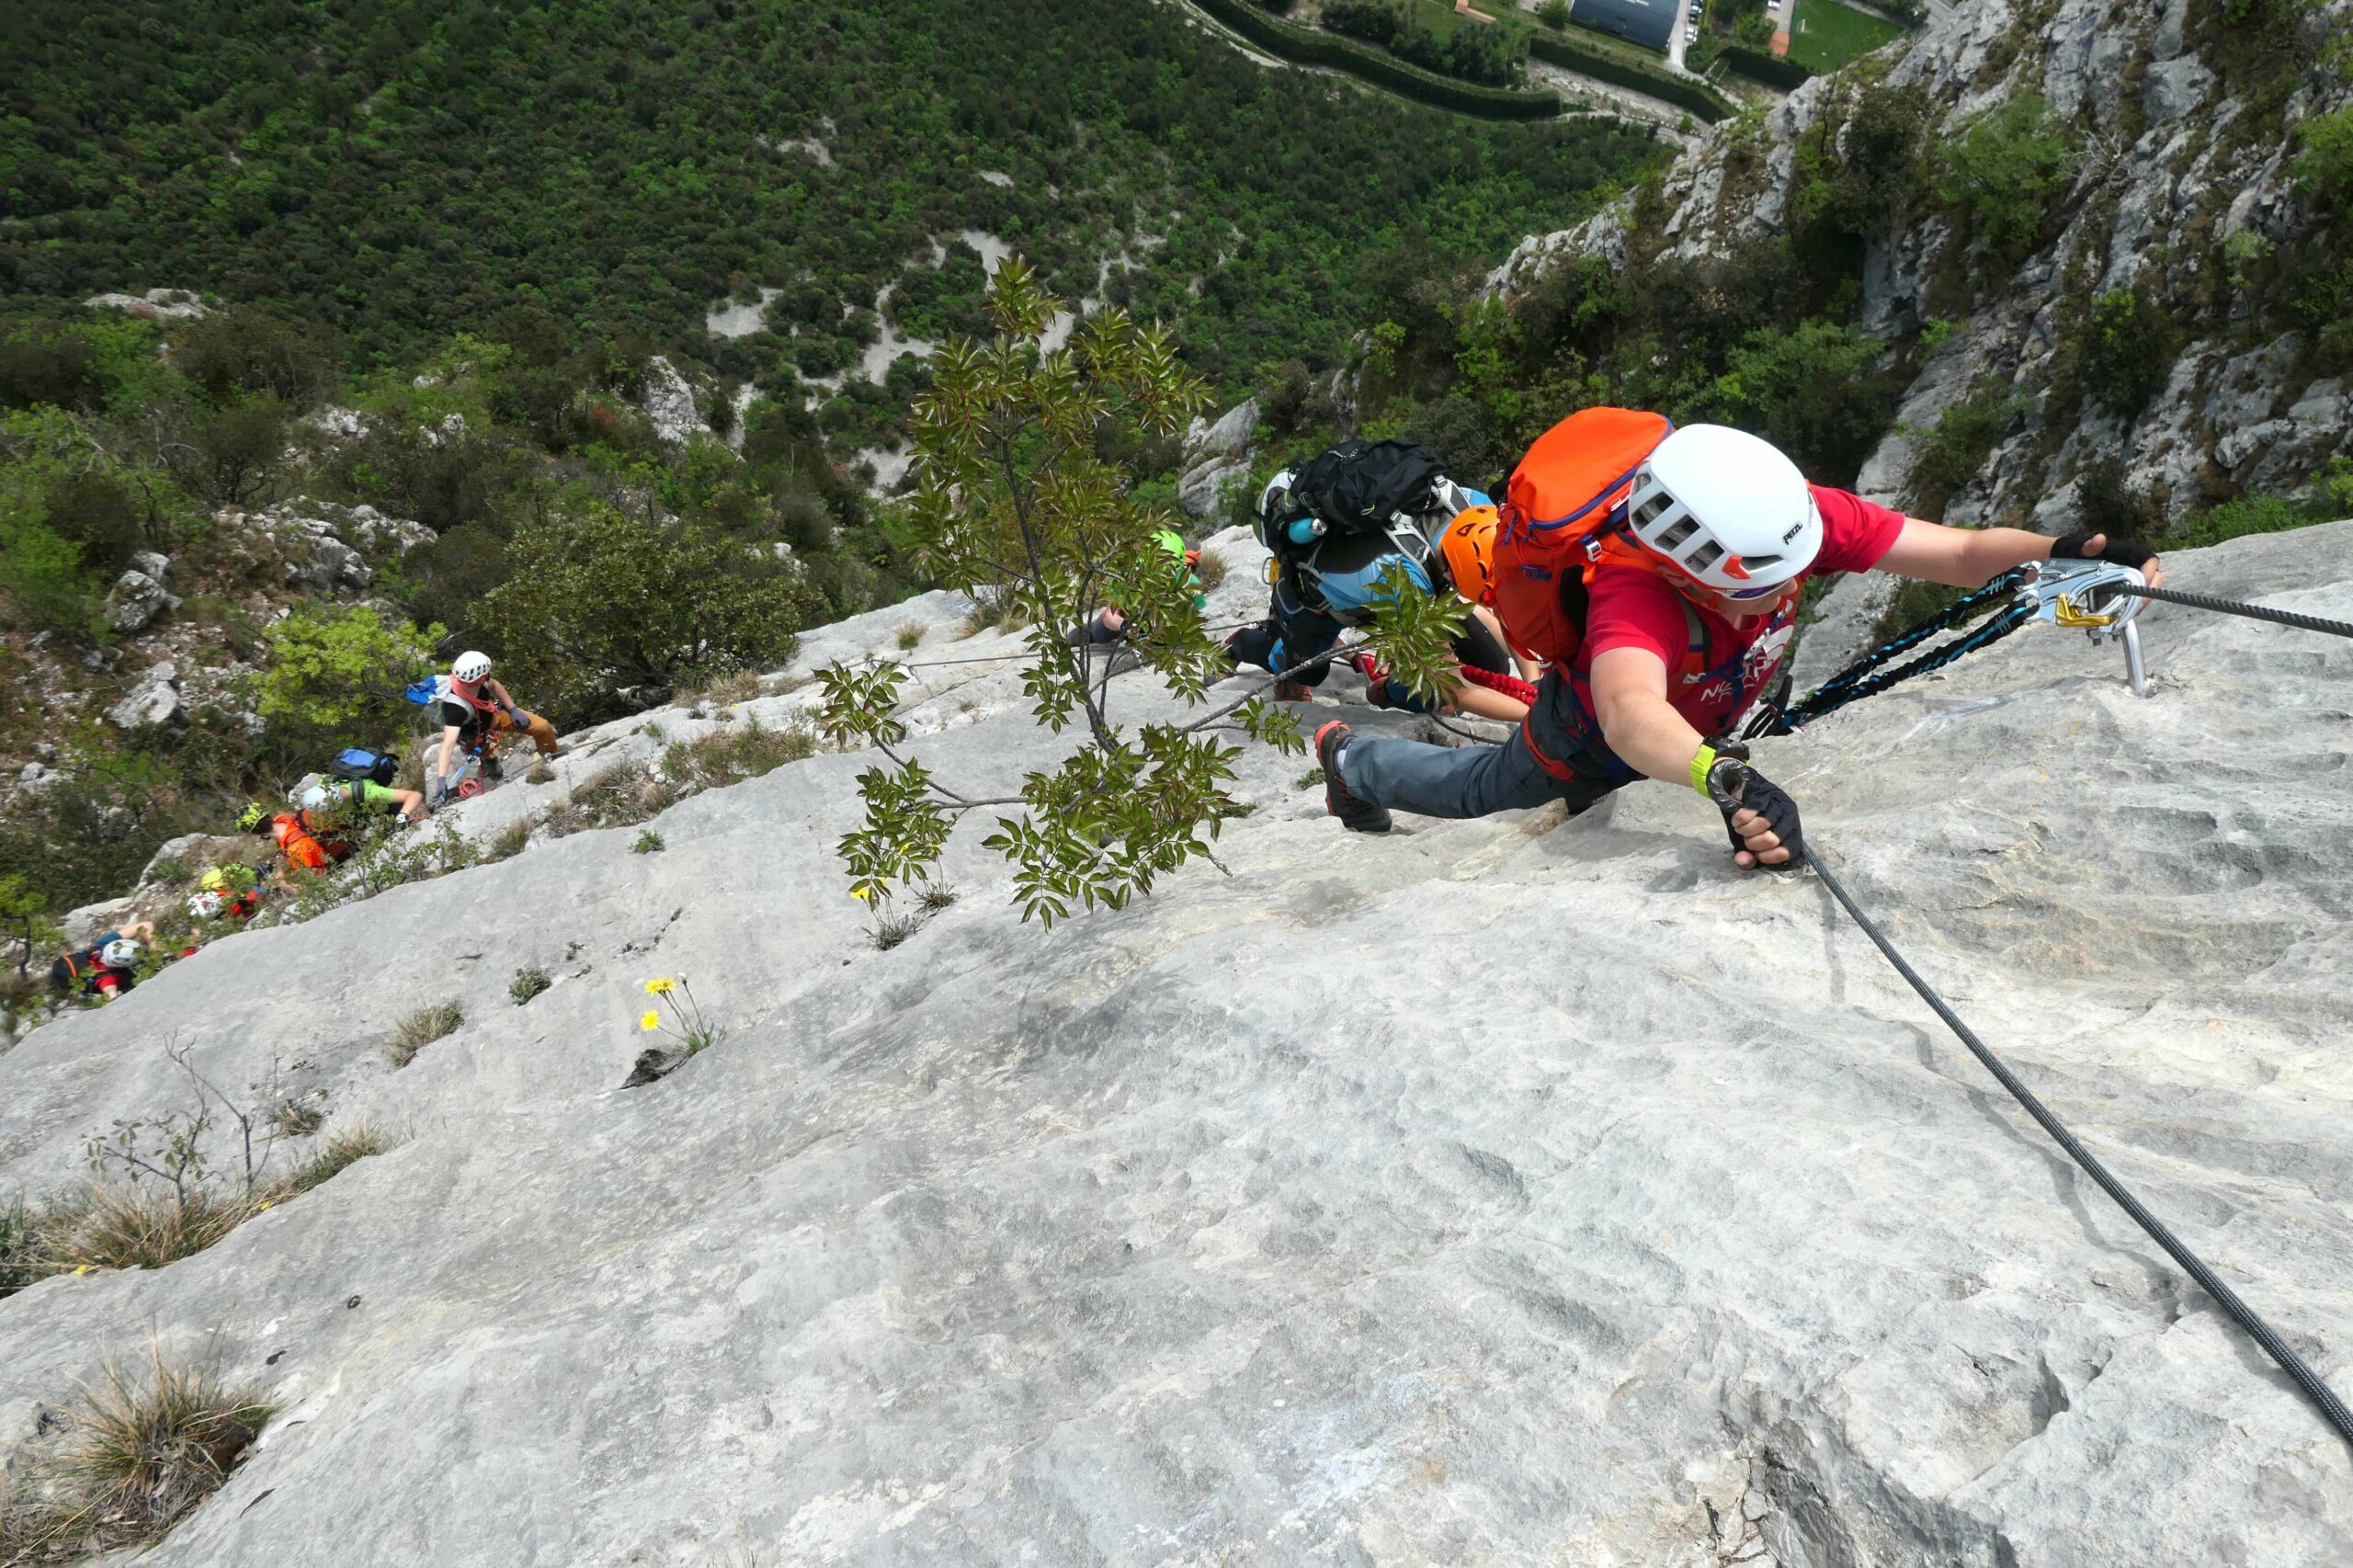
1702	760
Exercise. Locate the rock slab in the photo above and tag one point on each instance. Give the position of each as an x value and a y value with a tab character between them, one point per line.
1514	1191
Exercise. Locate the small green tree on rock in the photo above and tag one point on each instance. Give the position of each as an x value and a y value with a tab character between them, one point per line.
1013	498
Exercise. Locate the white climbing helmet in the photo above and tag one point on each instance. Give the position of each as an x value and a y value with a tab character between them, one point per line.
471	666
314	797
121	953
1726	509
207	905
1277	487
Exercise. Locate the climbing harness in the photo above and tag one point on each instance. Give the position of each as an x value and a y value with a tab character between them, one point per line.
2320	1393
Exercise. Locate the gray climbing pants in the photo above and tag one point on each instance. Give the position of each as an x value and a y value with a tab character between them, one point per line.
1460	781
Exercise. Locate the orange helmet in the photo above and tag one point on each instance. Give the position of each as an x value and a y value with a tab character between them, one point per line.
1468	546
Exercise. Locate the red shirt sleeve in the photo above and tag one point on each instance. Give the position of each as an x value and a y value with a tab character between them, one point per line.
1630	607
1854	532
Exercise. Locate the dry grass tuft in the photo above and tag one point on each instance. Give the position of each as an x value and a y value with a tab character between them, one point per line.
142	1452
633	793
1212	571
416	1030
342	1149
890	930
510	841
293	1119
910	635
727	690
107	1225
133	1225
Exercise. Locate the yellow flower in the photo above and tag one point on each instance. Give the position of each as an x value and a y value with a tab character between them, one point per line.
661	987
866	894
652	1020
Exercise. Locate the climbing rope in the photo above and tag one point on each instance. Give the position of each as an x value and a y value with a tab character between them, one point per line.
1865	677
2319	1392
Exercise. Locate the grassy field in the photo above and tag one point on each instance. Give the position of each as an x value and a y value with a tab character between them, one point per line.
1827	34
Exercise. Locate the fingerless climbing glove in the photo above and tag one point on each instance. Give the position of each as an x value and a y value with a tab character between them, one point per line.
2116	551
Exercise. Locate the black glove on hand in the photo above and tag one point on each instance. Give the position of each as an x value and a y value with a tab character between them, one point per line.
2116	551
1767	799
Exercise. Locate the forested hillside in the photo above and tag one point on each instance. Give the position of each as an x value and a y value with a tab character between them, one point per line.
457	263
398	170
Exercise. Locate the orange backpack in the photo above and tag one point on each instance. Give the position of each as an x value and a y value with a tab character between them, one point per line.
296	842
1554	528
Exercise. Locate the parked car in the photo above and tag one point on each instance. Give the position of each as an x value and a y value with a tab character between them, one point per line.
1691	32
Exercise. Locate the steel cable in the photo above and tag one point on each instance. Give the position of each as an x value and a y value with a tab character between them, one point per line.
2233	607
2320	1393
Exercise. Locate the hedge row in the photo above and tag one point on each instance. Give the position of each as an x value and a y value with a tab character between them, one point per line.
1306	46
1774	70
1570	55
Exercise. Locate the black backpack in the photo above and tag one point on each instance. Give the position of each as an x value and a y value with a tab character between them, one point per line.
360	762
1357	486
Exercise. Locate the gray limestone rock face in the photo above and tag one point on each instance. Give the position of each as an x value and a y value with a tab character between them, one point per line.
1522	1191
669	402
1841	629
154	699
155	305
135	602
81	926
2167	167
1215	454
327	564
153	563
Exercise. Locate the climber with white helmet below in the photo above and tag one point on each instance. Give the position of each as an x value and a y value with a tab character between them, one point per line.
474	706
107	967
1658	571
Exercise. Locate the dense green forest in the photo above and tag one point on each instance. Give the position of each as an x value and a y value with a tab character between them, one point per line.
398	171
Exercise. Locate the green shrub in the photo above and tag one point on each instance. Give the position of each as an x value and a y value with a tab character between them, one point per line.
2130	344
647	843
599	601
341	671
528	984
1812	389
1307	47
2324	164
2003	169
43	584
1950	454
2236	519
245	351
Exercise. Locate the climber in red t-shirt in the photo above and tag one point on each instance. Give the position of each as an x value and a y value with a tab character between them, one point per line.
1681	636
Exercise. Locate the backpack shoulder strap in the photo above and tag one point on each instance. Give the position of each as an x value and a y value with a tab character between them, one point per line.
1695	638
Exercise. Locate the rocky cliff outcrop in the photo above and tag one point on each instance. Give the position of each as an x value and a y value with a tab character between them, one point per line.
1513	1190
2180	126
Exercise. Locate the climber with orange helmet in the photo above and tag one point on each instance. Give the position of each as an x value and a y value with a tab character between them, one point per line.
1327	581
1693	558
303	843
473	707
